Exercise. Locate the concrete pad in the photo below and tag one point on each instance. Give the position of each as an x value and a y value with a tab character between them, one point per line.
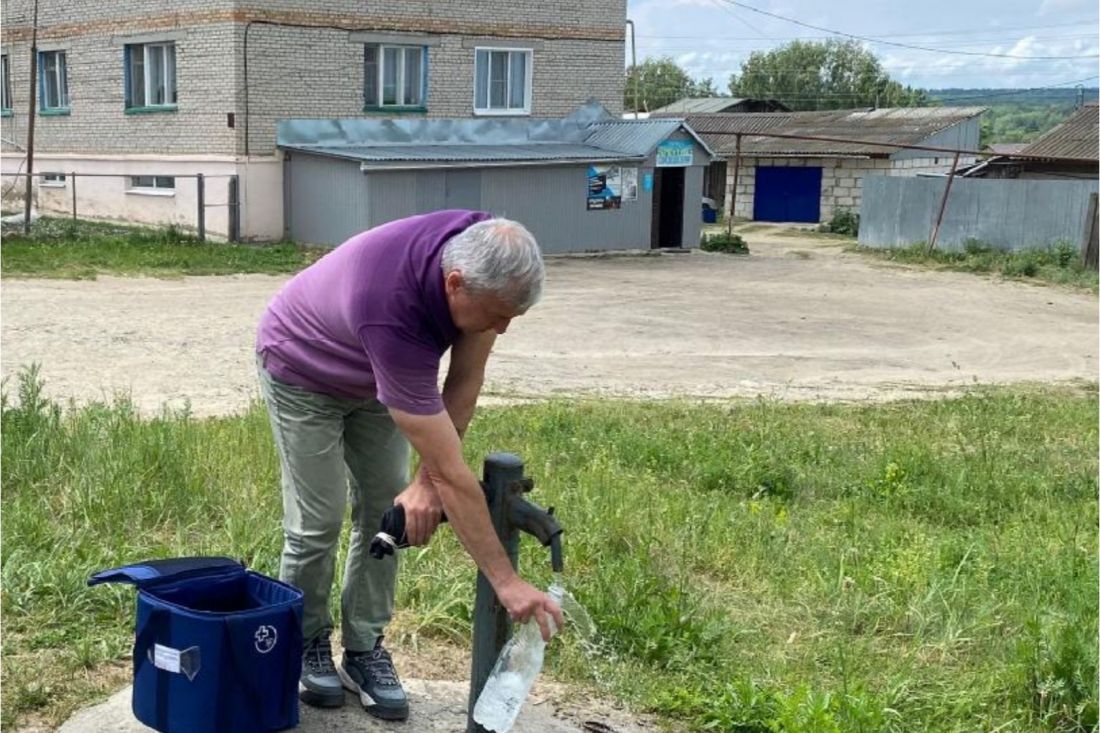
435	707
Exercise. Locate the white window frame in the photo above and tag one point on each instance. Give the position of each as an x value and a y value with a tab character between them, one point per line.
5	94
155	189
380	50
60	78
529	65
52	180
169	78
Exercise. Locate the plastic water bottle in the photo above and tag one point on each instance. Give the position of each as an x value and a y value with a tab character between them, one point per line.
513	674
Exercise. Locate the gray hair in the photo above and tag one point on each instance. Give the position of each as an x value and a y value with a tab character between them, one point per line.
498	257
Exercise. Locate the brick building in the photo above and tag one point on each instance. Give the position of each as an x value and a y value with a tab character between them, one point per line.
803	179
160	90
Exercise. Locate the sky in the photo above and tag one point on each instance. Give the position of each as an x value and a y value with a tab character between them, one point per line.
713	37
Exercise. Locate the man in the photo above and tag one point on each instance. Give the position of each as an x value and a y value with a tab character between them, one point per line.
348	354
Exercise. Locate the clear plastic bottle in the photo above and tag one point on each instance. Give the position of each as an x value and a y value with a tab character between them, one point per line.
513	674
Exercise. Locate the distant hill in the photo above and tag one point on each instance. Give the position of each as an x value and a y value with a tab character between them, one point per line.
1059	97
1016	115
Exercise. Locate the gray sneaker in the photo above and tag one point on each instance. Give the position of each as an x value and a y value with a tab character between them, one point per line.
319	684
372	677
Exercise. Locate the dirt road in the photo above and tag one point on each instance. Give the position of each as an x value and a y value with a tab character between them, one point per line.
797	319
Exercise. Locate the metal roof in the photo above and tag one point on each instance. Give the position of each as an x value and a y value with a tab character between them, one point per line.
399	153
902	125
699	105
637	137
1075	138
589	134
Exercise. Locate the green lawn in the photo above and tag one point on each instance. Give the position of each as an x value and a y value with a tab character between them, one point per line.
61	248
914	566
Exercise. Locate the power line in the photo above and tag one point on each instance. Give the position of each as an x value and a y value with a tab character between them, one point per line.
958	31
902	45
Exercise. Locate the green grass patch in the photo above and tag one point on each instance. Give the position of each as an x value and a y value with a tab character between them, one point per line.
1059	264
62	248
913	566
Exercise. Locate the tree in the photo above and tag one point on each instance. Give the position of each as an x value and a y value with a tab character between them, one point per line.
807	75
660	82
703	88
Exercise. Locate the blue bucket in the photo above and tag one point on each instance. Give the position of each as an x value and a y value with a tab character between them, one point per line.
218	648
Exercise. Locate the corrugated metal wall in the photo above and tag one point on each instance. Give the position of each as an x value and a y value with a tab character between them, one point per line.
963	136
326	199
1007	214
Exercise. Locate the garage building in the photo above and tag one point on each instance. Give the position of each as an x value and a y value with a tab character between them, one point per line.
587	182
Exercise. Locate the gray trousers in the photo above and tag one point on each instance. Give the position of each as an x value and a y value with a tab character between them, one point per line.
329	448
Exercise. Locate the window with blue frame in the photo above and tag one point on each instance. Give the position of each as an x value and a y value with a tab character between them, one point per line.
395	76
150	76
53	82
5	102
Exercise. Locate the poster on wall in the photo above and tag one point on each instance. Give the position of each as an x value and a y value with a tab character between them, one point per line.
605	187
675	153
630	184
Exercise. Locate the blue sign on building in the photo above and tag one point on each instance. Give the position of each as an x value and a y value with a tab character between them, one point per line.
675	153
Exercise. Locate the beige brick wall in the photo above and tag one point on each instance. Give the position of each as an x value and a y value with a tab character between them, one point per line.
293	72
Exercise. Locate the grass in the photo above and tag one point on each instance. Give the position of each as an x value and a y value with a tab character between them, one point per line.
766	567
62	248
1059	264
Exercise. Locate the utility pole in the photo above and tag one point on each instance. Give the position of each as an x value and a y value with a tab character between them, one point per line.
30	125
633	66
1080	97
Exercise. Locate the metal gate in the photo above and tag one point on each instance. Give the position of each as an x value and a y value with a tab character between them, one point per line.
787	194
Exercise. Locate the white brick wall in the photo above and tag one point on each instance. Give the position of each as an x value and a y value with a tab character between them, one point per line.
841	178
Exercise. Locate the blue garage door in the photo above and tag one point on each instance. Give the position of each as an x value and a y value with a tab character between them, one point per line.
787	194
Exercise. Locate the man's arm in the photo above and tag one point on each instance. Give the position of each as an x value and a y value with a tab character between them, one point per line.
465	375
436	441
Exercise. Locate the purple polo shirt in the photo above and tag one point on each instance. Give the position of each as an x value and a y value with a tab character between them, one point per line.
369	319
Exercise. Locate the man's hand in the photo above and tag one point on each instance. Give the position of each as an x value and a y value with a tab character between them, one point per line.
523	600
423	510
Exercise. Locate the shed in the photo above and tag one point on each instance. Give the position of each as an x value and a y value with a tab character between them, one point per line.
803	178
715	105
1069	151
587	182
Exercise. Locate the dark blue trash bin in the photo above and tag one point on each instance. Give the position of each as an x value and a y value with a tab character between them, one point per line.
217	647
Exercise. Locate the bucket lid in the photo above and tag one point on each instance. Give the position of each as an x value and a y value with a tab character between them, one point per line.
147	573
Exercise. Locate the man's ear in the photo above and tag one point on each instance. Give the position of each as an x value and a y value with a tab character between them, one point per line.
452	282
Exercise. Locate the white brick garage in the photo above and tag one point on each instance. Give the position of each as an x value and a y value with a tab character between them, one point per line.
843	165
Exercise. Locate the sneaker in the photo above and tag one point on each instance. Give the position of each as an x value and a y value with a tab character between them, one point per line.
319	684
371	676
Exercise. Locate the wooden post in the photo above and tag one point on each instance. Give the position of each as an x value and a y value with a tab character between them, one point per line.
736	175
72	180
30	125
1089	240
943	204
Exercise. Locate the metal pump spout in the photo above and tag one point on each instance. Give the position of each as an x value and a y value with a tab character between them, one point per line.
535	521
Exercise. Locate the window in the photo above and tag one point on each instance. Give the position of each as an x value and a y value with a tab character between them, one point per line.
502	81
5	102
53	84
53	179
394	76
151	75
153	182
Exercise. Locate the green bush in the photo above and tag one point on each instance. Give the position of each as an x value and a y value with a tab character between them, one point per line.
723	242
844	221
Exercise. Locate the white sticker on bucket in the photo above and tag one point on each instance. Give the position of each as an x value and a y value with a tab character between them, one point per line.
166	658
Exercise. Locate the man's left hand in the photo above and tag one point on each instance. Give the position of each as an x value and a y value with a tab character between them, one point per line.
423	510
